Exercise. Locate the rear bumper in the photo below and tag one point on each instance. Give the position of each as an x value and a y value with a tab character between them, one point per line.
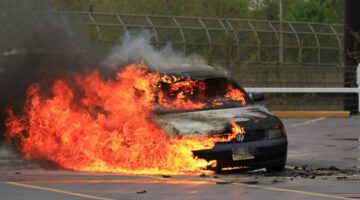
266	153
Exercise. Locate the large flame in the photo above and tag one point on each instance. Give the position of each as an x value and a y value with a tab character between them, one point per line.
179	92
92	124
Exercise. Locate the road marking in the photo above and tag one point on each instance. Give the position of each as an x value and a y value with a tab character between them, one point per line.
275	189
290	191
134	181
209	179
58	191
308	122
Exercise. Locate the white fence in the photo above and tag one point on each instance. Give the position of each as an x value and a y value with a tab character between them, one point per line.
311	89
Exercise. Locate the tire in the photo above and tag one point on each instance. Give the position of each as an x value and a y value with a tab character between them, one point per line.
275	168
217	168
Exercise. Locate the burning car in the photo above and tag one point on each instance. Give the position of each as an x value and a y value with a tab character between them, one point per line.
144	121
195	102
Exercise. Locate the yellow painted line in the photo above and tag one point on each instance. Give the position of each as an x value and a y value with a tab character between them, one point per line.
330	196
276	189
210	179
312	114
86	196
308	122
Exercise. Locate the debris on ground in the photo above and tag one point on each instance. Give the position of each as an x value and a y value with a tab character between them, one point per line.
202	175
223	182
304	171
250	182
334	168
341	177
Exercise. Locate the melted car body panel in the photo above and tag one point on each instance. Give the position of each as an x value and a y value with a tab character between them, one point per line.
215	121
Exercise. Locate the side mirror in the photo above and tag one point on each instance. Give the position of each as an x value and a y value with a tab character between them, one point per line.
257	97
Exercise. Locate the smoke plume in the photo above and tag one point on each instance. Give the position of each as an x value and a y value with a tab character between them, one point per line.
36	45
136	47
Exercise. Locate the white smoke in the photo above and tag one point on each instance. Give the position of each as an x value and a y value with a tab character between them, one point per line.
134	48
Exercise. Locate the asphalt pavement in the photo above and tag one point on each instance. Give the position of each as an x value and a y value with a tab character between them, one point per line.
323	163
322	142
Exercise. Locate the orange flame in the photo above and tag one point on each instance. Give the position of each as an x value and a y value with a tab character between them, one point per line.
236	129
180	93
106	125
234	94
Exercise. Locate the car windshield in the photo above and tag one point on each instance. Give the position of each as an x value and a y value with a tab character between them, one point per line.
183	94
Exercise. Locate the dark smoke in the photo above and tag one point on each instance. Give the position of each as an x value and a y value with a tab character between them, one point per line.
36	45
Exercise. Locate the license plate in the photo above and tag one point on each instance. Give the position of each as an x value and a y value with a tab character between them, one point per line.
241	154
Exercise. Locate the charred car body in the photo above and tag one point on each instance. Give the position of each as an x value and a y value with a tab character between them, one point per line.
264	143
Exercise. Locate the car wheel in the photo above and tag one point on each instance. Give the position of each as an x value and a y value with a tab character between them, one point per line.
217	168
275	168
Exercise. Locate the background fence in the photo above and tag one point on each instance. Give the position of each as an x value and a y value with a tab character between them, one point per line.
310	54
243	41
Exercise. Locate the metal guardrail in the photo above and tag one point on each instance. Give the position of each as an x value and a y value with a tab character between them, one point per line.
312	89
247	41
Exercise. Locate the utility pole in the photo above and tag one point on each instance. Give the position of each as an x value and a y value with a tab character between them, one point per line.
281	39
351	50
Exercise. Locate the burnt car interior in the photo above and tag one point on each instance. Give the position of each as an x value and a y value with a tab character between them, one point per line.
210	92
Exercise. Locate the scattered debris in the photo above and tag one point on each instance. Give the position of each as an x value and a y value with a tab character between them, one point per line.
334	168
347	139
223	182
250	182
341	177
202	175
293	172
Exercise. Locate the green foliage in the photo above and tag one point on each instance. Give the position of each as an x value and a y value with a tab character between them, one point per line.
330	11
210	8
265	9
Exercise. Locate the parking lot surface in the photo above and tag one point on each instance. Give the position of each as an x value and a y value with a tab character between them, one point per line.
323	163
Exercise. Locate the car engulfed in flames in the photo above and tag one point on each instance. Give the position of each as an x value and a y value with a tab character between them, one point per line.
146	122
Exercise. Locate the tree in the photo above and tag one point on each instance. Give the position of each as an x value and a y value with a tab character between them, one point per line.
265	9
329	11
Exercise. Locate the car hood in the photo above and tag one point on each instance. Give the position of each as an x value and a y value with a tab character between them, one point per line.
216	121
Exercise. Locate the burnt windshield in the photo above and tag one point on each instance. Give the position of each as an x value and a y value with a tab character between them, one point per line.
179	94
